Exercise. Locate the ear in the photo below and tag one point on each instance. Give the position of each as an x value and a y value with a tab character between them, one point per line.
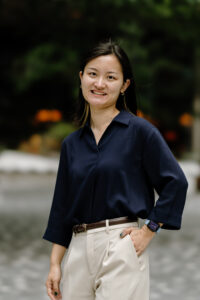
125	85
81	75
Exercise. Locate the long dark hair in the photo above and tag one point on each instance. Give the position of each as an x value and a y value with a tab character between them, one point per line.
128	100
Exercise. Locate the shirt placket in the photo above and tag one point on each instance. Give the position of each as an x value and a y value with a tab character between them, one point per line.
98	149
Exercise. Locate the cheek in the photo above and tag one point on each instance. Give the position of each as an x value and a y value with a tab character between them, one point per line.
85	82
85	86
116	89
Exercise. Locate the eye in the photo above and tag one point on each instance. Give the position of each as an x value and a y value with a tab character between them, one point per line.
111	77
92	74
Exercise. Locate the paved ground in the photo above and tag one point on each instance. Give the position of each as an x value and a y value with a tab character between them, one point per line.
24	206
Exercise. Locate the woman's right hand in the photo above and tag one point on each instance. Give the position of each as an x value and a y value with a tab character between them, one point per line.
53	282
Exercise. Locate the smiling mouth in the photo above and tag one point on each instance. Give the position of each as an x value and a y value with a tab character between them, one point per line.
98	93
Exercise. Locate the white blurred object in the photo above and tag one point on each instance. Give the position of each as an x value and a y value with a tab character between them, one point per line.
15	161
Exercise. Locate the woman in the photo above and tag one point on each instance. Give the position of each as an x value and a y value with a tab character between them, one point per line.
107	174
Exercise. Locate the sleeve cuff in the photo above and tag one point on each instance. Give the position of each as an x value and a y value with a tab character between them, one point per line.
171	222
57	237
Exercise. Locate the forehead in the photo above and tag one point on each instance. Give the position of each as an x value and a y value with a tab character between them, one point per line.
107	63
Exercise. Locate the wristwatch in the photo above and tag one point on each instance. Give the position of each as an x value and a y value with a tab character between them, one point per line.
153	226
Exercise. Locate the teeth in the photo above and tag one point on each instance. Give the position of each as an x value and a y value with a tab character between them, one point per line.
98	93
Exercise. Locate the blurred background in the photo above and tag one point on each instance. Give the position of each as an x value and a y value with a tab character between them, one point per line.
41	46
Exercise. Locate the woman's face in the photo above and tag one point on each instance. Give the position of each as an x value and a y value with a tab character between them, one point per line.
102	81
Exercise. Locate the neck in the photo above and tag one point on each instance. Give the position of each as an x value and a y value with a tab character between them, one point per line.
99	118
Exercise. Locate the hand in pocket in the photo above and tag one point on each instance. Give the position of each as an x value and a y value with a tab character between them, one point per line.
141	237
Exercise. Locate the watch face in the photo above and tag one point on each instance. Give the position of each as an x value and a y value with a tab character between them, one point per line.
153	226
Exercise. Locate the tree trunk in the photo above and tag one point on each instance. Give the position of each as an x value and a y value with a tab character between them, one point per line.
196	109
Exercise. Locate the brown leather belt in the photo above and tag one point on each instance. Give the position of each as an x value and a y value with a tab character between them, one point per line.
84	227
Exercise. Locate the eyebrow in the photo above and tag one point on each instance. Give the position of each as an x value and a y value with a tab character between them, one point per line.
110	72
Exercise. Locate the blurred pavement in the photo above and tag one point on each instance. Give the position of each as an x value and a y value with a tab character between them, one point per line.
25	199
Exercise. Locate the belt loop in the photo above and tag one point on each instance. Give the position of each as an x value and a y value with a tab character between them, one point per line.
107	226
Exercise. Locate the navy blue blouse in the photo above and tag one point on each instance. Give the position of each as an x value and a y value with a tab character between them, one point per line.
116	178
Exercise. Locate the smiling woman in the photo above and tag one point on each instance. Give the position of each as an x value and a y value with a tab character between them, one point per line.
102	82
108	52
107	174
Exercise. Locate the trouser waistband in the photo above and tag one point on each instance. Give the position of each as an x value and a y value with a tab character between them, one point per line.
84	227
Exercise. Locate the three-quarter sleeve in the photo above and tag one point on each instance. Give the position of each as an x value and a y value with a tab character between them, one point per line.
57	231
167	178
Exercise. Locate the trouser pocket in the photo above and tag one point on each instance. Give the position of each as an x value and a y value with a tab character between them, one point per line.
123	249
142	259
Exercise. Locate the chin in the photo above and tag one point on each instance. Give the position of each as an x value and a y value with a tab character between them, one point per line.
96	103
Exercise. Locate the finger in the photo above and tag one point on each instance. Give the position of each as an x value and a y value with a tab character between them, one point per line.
134	233
139	252
53	295
56	289
49	293
49	290
57	295
49	287
126	231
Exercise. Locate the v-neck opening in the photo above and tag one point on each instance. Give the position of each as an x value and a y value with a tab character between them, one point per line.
97	144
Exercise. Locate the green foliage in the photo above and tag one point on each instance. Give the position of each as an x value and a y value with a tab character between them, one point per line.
42	63
60	130
40	60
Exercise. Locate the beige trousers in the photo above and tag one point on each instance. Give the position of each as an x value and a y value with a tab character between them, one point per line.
100	265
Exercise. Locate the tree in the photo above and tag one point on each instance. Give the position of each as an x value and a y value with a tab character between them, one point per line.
40	61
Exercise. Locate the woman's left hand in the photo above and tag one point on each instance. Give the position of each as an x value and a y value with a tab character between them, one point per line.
141	237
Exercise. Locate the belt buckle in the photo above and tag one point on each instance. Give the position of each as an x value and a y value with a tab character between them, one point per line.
80	228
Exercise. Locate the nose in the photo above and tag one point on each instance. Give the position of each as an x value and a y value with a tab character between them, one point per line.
99	83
